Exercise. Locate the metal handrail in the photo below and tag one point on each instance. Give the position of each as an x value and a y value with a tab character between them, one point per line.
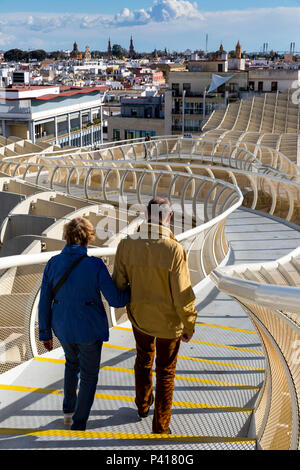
274	309
272	296
199	266
236	147
120	144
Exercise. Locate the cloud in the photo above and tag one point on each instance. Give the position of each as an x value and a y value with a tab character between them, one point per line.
4	39
169	10
179	24
131	18
162	11
38	22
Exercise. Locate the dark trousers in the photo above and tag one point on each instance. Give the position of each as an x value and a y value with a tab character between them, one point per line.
165	364
82	361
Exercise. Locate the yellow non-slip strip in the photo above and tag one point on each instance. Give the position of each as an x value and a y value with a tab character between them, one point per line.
177	377
114	346
252	332
188	379
188	358
220	363
185	404
254	351
202	324
206	343
123	435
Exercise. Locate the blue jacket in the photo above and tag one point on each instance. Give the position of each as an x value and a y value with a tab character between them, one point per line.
77	315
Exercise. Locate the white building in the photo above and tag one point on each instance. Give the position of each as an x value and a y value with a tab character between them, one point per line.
273	79
53	114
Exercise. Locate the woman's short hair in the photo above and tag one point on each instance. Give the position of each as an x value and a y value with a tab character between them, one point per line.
79	231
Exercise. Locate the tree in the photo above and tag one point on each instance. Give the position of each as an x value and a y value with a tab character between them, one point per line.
56	55
38	54
15	55
119	51
97	54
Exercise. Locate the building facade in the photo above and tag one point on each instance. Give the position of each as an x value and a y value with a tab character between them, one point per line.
191	100
273	79
139	116
56	115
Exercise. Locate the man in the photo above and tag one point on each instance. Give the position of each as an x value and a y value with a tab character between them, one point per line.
147	149
162	308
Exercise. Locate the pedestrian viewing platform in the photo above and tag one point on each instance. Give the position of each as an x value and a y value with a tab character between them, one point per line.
219	374
240	216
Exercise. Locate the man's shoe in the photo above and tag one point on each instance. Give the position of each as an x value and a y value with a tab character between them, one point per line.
169	432
145	413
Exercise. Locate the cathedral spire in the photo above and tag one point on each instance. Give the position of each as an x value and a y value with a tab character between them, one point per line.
238	50
131	48
109	48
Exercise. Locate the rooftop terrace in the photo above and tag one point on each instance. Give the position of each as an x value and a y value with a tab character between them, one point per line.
237	381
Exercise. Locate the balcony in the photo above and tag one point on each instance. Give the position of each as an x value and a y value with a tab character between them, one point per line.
194	112
177	128
10	109
63	135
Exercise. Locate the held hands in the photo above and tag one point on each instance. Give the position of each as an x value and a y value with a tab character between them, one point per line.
185	338
48	344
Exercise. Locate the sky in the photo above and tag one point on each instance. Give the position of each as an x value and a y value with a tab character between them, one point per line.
176	25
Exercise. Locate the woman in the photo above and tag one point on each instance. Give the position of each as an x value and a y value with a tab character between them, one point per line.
77	316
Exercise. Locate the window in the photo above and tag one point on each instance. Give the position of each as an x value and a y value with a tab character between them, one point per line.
251	86
198	108
38	131
260	86
188	108
129	135
232	87
116	134
187	88
133	112
176	124
144	133
220	67
133	134
192	125
193	108
176	109
148	112
175	88
274	86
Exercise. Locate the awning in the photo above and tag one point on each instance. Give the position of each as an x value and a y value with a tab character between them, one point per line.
218	80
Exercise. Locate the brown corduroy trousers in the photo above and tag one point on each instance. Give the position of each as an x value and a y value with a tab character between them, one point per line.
165	364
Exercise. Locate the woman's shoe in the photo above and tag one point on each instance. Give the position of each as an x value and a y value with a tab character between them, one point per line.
74	427
68	419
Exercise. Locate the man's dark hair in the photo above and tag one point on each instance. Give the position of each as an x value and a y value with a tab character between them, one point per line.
158	209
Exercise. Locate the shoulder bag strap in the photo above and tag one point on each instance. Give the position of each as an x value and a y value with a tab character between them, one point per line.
66	275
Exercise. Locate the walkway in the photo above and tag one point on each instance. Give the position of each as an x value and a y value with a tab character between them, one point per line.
218	376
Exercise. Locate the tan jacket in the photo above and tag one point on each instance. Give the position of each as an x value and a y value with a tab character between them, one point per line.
155	266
